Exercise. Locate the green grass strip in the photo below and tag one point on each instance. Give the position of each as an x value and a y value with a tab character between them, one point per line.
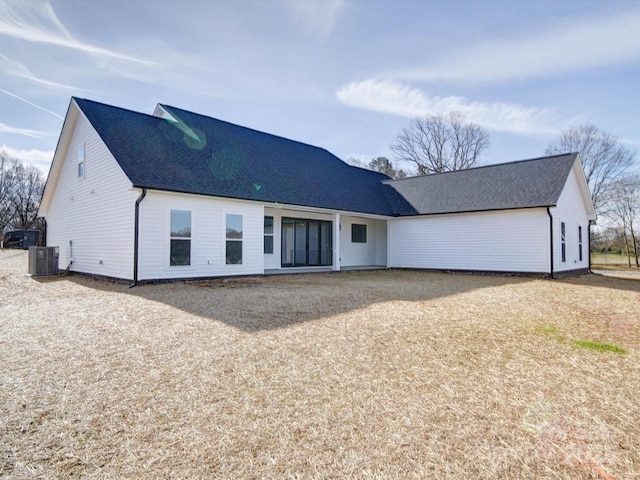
602	347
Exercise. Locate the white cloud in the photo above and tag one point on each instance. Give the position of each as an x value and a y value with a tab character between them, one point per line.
17	69
37	22
4	128
40	159
573	46
398	99
316	17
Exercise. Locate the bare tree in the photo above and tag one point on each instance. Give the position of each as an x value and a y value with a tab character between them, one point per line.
604	159
438	143
384	165
20	193
625	203
7	174
27	191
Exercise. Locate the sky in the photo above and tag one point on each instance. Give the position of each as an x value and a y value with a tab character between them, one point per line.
344	75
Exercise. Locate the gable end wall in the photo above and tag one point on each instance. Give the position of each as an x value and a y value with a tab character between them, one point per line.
96	212
572	211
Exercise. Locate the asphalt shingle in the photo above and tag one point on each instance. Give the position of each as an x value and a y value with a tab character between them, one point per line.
530	183
202	155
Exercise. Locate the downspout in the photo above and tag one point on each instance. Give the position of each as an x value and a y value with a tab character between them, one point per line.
589	244
136	232
550	239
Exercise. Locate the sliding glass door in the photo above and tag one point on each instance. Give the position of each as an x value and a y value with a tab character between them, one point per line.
306	242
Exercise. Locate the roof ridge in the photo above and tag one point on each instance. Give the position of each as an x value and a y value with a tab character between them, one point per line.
164	105
115	107
479	167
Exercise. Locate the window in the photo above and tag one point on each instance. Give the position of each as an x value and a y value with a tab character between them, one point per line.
580	242
563	242
234	239
268	234
81	162
358	233
180	238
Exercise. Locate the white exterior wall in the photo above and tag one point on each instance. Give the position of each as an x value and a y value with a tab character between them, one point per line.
571	210
374	252
96	212
208	236
508	241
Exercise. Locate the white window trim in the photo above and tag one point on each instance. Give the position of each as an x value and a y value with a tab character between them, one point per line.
272	235
563	242
223	257
366	235
167	242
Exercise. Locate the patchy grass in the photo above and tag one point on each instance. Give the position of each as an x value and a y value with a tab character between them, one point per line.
601	260
553	332
602	347
616	268
386	374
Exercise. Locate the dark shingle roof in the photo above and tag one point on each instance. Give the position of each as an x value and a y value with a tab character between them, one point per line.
202	155
524	184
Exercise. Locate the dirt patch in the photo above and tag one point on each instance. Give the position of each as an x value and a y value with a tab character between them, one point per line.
385	374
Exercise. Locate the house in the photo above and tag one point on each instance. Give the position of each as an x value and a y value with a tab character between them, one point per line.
178	195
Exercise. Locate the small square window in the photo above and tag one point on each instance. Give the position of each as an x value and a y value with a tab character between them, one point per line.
358	233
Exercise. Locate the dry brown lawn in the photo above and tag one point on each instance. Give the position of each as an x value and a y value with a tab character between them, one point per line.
385	374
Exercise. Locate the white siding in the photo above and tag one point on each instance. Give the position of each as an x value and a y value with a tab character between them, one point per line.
373	252
572	211
96	212
208	236
508	241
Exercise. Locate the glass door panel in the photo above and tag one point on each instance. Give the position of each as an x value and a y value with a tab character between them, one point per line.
288	235
326	246
301	243
314	243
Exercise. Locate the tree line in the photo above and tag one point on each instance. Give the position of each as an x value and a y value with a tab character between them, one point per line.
21	189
